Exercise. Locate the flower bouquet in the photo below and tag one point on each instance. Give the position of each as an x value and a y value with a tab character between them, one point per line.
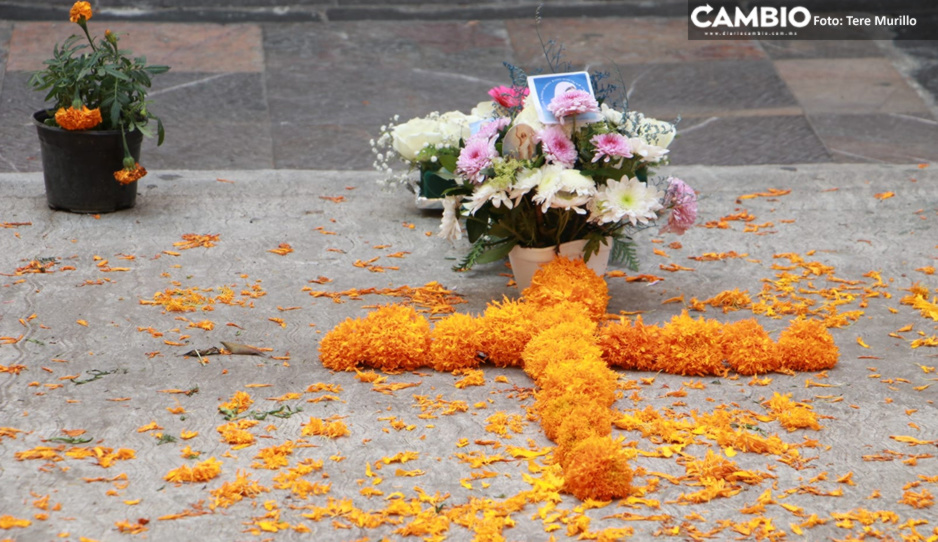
546	162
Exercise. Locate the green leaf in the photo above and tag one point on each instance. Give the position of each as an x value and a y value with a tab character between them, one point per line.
160	132
448	161
497	252
624	253
477	224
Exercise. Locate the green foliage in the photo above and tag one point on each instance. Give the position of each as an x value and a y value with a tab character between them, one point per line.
624	253
100	75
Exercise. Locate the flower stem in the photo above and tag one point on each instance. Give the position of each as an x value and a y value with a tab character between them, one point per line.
84	26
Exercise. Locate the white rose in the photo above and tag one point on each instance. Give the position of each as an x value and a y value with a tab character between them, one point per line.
455	125
413	135
657	132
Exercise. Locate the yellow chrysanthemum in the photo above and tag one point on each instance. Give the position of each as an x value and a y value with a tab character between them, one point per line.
505	330
456	343
806	345
691	347
564	279
127	176
748	349
569	340
597	468
79	11
632	346
78	119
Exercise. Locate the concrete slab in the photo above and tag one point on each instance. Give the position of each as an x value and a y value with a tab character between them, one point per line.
83	322
856	85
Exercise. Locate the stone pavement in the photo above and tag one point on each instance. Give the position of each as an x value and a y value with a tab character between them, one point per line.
97	363
268	128
311	94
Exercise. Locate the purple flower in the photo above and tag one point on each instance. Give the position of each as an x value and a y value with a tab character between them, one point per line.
475	158
572	102
682	200
611	145
558	148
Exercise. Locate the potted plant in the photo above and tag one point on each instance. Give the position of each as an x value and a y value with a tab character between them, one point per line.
90	138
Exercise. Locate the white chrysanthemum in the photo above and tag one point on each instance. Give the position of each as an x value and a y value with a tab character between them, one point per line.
489	192
450	228
613	116
564	189
649	153
525	181
627	199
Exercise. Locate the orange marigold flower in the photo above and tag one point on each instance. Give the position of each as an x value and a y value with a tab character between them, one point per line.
325	428
78	119
691	347
232	492
632	346
570	340
564	279
201	472
748	348
806	345
554	409
79	11
588	377
505	330
543	318
923	499
343	347
792	415
456	343
238	403
597	468
127	176
392	338
578	425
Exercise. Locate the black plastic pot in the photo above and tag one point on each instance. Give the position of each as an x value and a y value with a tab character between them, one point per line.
79	166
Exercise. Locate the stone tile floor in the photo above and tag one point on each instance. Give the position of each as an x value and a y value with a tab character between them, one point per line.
311	95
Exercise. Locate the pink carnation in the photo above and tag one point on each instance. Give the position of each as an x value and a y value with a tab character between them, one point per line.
572	102
508	96
611	145
682	200
475	158
490	129
558	148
